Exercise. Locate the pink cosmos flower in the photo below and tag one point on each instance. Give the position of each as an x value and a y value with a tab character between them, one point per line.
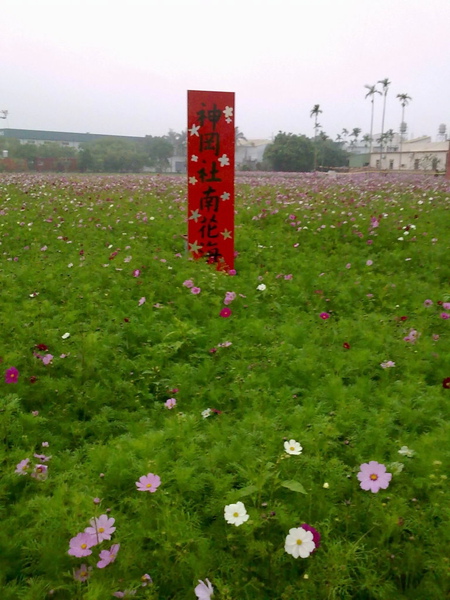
387	364
11	375
45	444
170	403
373	476
23	466
225	313
204	591
40	472
82	574
369	263
195	290
47	359
348	266
146	579
42	457
445	315
108	556
142	301
232	272
428	302
188	283
324	315
80	544
136	273
101	528
148	483
288	277
446	305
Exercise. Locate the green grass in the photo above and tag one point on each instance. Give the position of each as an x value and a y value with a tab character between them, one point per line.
286	375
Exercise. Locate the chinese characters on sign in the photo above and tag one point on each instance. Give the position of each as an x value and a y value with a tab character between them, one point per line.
210	167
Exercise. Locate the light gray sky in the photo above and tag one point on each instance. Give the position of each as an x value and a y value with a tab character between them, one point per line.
104	66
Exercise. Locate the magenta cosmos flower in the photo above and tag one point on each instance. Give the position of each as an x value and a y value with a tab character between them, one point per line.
148	483
80	545
315	533
225	312
324	315
373	476
108	556
195	290
101	528
11	375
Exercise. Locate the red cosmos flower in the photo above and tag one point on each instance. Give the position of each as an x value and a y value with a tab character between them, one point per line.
41	347
225	312
403	318
446	383
346	345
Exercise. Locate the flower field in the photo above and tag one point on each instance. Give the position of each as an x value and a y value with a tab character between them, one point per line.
281	432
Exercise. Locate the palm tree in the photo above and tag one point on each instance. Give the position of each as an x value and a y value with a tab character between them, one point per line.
355	133
404	101
239	136
385	84
372	91
366	139
315	112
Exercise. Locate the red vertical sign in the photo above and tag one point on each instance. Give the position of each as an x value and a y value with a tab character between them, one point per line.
210	168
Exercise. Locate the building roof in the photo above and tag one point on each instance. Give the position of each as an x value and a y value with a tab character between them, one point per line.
60	136
252	143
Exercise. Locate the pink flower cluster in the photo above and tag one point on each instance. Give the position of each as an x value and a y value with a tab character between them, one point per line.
38	471
412	336
101	529
229	297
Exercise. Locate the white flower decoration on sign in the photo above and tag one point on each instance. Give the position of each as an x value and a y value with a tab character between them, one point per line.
192	180
194	130
228	112
224	160
225	196
194	158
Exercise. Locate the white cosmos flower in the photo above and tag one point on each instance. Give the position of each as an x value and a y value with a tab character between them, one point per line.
261	287
206	413
299	542
293	447
65	336
235	514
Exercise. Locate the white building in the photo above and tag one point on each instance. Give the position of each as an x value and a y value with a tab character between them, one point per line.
250	152
419	154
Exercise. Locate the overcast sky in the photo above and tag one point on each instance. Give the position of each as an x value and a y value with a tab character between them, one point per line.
104	66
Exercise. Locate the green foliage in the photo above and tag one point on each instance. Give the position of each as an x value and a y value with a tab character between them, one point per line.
290	152
70	249
295	153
